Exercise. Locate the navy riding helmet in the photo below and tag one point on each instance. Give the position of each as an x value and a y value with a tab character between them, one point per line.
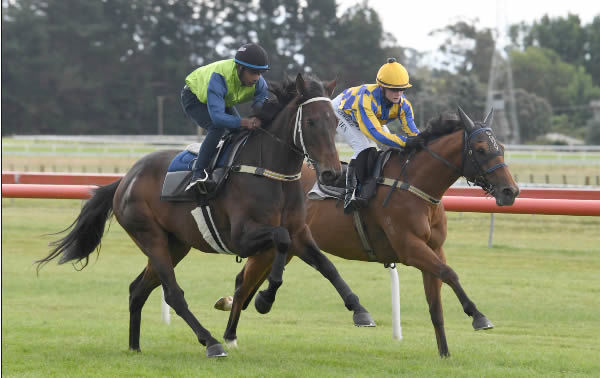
252	56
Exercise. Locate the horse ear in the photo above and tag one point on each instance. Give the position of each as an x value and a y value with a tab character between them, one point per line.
330	87
488	118
300	84
469	125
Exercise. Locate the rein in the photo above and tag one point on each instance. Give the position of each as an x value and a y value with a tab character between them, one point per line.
467	153
293	147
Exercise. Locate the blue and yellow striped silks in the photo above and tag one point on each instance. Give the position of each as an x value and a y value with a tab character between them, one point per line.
369	108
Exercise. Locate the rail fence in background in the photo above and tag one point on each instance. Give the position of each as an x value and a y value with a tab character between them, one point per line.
464	199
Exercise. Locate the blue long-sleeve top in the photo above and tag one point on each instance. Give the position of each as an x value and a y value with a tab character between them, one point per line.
215	99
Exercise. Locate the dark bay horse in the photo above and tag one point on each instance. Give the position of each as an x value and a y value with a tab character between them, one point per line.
254	214
411	228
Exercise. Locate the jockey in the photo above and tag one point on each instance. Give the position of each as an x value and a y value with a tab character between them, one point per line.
363	112
210	94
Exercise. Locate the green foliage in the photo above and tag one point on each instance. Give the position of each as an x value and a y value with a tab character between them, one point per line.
592	132
568	88
592	57
468	50
564	36
98	67
534	114
575	43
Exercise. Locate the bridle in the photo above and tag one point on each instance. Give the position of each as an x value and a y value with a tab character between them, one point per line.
480	178
298	135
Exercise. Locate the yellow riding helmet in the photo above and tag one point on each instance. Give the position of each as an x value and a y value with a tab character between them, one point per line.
393	75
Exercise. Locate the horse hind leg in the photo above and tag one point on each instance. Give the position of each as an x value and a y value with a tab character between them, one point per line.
141	288
433	287
139	291
154	242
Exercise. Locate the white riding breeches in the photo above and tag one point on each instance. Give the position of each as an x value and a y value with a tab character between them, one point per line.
349	129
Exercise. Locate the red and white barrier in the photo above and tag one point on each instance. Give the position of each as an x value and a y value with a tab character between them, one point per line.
523	206
582	207
11	177
47	191
548	193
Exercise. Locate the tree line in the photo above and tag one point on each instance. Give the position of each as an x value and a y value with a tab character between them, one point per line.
100	67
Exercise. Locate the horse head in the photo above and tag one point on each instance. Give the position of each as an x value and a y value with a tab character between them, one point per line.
315	126
483	160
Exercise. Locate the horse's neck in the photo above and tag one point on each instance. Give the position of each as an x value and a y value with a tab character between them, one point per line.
433	176
277	155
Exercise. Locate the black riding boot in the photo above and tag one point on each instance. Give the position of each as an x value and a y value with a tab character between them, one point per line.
352	199
201	180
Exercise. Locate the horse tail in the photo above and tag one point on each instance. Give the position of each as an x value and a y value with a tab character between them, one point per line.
86	231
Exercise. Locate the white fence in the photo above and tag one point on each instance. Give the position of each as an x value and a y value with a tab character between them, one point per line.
139	145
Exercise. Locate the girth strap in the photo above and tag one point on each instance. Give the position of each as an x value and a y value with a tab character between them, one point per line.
364	239
266	173
406	186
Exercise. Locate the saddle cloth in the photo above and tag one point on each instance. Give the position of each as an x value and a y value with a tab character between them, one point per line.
179	172
178	177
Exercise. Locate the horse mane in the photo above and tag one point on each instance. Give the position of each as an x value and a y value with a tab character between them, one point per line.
437	127
284	92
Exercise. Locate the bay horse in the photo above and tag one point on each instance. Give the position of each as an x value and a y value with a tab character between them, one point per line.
253	213
410	228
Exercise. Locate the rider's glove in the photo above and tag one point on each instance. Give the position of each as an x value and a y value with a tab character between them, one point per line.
413	141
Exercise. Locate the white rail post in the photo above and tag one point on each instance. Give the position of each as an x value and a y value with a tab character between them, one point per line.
165	309
396	324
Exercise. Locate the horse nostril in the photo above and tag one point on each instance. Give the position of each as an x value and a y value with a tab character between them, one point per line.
508	192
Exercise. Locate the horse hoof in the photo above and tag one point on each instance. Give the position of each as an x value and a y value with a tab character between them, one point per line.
482	323
216	350
224	303
231	343
261	304
363	319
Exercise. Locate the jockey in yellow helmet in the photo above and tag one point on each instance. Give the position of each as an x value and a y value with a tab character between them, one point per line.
363	112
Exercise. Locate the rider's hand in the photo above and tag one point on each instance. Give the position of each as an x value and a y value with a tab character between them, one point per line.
250	123
413	141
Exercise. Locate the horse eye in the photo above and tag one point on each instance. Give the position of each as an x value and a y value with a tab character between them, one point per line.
481	151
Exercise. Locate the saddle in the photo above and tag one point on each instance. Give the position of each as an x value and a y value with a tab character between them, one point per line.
338	189
179	173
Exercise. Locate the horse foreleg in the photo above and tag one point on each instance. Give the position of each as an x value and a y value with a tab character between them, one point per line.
433	287
265	298
422	257
309	252
253	239
246	283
